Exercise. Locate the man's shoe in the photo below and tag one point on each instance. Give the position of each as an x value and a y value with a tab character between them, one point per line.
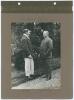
27	79
48	78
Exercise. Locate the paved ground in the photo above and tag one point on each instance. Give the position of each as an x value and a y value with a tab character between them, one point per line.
18	76
41	83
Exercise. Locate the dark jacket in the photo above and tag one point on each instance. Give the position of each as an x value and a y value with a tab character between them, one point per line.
46	48
26	47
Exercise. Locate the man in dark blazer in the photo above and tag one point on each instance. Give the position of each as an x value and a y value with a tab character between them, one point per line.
27	53
46	53
26	43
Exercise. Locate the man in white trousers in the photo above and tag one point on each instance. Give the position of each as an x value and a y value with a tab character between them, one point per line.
27	53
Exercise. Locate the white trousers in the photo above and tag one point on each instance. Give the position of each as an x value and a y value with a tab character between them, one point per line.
29	66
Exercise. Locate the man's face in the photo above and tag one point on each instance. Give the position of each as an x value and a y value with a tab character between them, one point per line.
28	33
45	34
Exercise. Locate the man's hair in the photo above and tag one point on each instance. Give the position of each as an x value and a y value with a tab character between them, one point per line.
46	31
25	31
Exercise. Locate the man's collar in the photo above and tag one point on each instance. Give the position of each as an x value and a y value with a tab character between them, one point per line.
26	36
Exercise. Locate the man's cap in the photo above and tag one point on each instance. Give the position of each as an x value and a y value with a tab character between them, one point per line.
26	30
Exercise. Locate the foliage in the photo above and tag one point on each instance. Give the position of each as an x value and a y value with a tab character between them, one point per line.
36	35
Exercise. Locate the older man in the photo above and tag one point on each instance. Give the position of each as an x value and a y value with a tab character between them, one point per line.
46	53
27	53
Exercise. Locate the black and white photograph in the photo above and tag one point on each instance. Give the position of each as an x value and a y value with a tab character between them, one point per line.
36	55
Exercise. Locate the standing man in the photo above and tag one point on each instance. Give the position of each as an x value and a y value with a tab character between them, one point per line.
27	53
46	53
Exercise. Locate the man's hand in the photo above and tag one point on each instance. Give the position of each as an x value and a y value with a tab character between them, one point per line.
38	55
30	56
